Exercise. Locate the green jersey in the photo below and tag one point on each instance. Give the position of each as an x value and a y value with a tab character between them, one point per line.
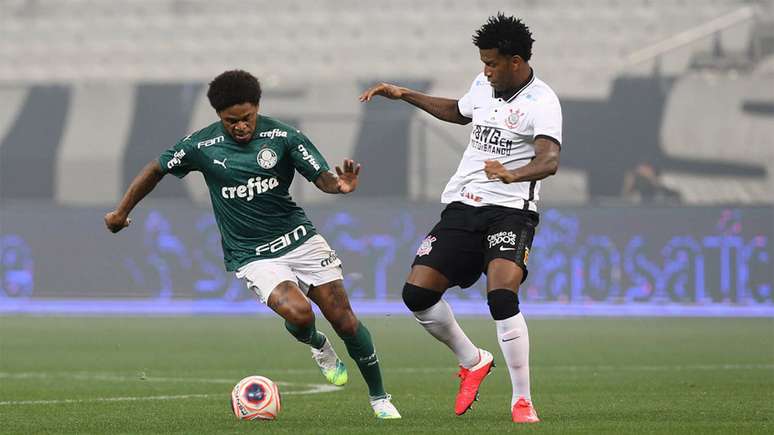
249	185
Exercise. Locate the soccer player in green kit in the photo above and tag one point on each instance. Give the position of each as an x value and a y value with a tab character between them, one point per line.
248	162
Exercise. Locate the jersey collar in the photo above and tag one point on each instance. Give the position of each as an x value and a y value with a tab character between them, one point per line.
510	95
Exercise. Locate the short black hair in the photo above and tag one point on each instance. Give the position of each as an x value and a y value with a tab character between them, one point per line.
233	87
509	35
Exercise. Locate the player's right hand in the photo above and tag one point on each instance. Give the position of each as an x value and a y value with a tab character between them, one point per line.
384	89
116	222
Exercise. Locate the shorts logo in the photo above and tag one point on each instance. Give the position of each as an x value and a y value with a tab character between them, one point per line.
330	260
267	158
426	246
526	255
502	238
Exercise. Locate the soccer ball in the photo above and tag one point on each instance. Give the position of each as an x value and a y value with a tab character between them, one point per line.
255	398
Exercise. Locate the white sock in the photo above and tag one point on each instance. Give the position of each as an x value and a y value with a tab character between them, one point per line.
513	337
439	321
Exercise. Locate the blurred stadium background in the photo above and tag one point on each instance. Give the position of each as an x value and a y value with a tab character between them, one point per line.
662	206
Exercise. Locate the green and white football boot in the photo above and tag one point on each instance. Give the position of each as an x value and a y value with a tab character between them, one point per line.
384	409
330	364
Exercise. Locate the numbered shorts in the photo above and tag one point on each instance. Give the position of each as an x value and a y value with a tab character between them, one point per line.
311	264
467	238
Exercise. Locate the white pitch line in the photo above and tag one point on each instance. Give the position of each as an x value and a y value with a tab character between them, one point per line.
315	389
310	388
108	377
106	399
111	377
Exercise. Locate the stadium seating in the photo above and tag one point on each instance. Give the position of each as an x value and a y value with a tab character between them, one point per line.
293	40
723	123
60	59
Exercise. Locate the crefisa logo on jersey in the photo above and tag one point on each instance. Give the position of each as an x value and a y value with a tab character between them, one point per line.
177	159
426	246
308	157
267	158
512	120
271	134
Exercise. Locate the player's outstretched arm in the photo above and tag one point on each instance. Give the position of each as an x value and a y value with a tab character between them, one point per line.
444	109
142	184
344	182
545	164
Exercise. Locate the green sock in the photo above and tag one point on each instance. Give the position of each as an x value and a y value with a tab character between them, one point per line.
361	349
306	334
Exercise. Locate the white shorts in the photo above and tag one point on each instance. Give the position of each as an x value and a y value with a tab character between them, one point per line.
311	264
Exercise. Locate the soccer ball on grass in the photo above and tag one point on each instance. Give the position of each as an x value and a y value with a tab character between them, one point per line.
255	398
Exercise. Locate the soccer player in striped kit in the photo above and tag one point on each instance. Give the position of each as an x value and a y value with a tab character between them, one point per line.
489	222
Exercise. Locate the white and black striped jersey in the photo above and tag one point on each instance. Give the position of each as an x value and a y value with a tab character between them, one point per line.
503	130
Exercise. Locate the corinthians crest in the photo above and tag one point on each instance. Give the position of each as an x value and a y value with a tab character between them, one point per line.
512	120
267	158
426	246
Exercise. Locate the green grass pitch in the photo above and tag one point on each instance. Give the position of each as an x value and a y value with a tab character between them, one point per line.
173	375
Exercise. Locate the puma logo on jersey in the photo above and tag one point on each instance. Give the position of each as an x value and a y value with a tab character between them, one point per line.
254	186
218	162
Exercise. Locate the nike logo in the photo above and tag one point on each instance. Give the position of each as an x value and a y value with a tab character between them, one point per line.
218	162
476	107
510	339
503	248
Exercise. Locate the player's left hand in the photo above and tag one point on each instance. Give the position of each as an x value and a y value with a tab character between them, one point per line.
116	222
496	171
348	176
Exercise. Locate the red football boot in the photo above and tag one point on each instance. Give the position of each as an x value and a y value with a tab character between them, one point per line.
470	380
524	412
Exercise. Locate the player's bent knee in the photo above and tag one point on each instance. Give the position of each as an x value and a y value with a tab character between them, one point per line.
503	303
346	324
419	299
301	315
